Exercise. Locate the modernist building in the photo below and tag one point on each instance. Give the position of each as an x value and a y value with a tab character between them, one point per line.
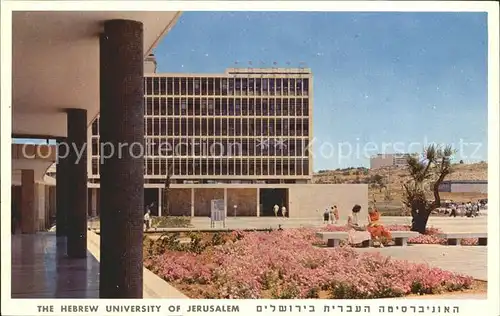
464	186
245	126
388	160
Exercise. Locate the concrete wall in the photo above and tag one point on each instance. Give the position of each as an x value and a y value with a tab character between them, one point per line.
311	200
203	200
469	187
245	199
381	161
180	202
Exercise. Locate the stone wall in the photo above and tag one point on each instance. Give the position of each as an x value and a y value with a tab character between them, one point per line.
180	202
311	200
203	199
245	199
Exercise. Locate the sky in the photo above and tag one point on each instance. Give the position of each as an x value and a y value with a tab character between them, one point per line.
383	82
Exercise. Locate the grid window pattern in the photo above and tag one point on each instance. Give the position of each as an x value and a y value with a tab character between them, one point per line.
250	126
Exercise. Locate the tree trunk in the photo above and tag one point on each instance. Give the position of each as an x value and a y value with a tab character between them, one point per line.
420	216
166	203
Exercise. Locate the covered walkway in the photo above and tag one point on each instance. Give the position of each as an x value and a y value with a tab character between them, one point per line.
41	269
68	67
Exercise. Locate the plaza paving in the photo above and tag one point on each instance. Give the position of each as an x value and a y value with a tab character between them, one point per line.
40	269
468	260
447	224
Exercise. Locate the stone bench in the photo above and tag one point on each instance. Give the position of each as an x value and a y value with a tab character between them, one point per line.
333	238
454	239
401	237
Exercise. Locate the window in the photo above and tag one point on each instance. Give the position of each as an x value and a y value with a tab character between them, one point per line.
149	85
183	106
197	88
163	83
156	86
190	86
305	87
95	146
237	107
177	86
217	87
203	106
170	86
95	127
210	106
224	87
156	106
298	87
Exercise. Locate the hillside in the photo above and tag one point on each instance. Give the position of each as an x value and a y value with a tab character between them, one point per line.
389	197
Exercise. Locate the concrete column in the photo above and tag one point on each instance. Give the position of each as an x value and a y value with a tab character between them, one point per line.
62	184
192	202
94	202
225	202
122	175
40	206
77	188
258	202
160	198
28	218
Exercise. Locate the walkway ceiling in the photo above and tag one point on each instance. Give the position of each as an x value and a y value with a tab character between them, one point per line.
55	64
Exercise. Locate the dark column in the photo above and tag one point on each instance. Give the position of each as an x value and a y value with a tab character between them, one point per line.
77	186
28	219
61	187
122	175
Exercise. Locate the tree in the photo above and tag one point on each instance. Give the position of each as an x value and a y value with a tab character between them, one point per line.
377	182
426	176
166	203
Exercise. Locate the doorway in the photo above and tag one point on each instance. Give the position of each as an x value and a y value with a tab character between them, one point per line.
151	197
271	197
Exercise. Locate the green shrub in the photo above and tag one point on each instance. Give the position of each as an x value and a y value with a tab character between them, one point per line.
171	221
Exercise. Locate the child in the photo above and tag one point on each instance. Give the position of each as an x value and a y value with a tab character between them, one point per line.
335	213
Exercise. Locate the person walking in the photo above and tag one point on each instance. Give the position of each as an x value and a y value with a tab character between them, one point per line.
335	214
453	211
283	211
147	219
276	209
326	216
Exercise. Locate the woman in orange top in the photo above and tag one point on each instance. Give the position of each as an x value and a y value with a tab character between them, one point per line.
376	229
335	214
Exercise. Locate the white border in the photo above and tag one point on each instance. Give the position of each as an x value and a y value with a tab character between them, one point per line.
27	307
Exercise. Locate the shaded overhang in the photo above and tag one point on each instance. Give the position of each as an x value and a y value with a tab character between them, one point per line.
39	158
55	64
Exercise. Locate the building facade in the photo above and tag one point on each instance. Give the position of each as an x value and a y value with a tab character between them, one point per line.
244	126
243	136
464	186
388	160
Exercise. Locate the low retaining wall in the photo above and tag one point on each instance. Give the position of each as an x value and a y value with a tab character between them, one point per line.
154	286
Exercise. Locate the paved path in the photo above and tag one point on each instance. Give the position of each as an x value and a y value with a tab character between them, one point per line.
478	224
447	224
468	260
40	269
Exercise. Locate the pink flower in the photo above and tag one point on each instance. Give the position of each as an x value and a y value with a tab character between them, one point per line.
286	264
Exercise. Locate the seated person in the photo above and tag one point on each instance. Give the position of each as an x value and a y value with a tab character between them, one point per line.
357	233
377	230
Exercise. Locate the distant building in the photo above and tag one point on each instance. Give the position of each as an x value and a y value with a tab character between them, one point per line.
464	186
387	160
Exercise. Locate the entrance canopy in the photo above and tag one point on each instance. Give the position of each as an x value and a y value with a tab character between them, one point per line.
55	65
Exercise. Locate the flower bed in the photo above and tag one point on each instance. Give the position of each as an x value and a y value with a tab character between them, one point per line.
285	264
